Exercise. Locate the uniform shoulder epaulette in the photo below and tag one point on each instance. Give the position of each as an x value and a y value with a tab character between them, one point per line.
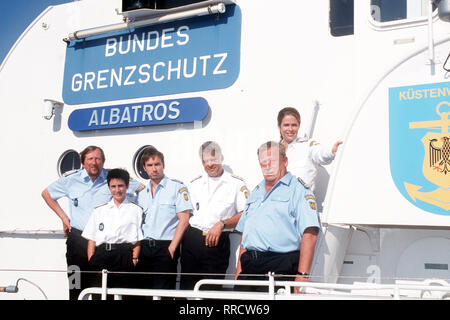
68	173
175	180
196	178
313	143
237	177
136	204
303	183
101	205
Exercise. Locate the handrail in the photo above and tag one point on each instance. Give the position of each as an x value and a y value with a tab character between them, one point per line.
169	17
347	290
432	288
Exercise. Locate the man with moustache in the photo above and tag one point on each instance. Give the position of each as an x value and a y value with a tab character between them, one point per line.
85	189
279	225
218	199
167	209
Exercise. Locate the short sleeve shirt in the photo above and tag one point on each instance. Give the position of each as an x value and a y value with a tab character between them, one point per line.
218	201
111	224
160	210
84	194
275	222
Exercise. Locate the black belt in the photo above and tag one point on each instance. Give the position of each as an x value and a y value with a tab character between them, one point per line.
155	243
76	232
260	254
114	246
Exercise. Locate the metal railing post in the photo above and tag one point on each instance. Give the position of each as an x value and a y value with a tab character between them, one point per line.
271	285
104	283
396	293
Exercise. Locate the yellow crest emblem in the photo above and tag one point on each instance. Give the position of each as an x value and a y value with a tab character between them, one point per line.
436	163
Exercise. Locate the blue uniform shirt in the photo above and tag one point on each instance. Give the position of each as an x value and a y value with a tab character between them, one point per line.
160	210
276	221
84	194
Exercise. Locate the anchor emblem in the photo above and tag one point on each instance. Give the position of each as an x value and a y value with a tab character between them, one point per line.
436	163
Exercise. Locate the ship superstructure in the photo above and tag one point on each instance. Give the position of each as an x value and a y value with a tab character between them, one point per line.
373	73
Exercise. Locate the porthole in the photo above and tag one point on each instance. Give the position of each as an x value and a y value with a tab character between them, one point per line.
69	160
138	168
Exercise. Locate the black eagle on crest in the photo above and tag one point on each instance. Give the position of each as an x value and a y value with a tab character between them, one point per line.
440	155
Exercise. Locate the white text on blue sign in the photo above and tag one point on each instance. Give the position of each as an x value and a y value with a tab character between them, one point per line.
197	54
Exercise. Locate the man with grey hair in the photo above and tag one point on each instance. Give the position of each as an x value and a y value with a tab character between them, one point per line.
218	198
283	201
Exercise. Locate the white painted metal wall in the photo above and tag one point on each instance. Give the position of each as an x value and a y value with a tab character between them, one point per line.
288	58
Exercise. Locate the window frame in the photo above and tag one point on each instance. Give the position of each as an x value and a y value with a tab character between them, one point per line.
62	158
137	160
401	23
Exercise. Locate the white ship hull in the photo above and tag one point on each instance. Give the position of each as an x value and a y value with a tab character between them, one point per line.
364	88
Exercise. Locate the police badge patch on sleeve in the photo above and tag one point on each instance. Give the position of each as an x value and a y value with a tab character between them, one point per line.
184	189
245	190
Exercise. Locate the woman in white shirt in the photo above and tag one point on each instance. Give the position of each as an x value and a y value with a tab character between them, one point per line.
304	155
114	233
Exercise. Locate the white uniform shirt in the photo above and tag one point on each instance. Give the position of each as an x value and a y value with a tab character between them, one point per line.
111	224
304	157
216	199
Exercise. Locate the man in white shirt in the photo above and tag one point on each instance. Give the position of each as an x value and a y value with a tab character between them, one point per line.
218	198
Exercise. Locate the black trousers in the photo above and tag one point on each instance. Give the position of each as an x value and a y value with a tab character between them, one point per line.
260	263
196	257
115	258
77	263
155	257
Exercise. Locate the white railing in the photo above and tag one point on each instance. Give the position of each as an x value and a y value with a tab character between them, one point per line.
432	289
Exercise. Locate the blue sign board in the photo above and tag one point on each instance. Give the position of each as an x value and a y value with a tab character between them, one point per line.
139	114
196	54
419	144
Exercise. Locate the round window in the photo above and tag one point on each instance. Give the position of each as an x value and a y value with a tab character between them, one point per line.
138	168
69	160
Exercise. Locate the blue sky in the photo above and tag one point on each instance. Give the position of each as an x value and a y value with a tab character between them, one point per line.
15	16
